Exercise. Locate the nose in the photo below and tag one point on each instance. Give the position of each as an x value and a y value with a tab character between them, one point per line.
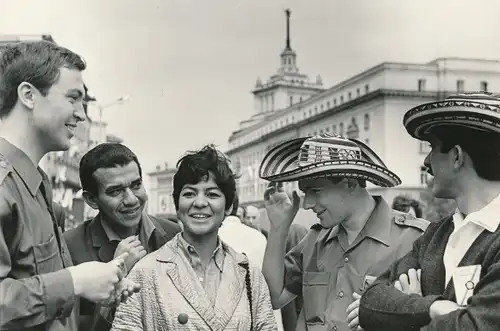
200	201
79	113
130	198
427	161
309	201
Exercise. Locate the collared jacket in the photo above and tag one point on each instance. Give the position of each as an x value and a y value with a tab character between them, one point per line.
172	298
89	242
37	292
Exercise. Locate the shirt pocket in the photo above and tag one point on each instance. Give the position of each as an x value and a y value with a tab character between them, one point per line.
46	256
315	291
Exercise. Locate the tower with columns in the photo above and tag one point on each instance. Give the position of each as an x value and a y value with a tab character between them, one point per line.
288	86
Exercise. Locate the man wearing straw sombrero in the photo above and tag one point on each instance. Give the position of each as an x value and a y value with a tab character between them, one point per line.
458	257
358	235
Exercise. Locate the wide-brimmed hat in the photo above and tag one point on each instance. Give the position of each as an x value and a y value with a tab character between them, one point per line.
480	111
325	156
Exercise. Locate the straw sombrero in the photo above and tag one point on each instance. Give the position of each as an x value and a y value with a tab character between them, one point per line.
325	156
479	111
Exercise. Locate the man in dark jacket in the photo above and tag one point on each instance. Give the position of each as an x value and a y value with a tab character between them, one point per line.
450	280
111	178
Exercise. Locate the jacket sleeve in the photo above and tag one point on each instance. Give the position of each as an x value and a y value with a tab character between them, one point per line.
30	301
383	307
129	315
264	315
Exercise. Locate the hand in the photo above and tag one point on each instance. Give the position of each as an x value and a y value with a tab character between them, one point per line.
123	290
281	206
95	281
410	284
133	247
353	313
443	307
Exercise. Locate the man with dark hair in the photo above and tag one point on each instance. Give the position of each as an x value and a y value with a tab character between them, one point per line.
451	278
41	93
357	238
111	178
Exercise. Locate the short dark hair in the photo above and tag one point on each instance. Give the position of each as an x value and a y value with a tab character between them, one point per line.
37	63
196	166
403	203
336	180
482	147
106	155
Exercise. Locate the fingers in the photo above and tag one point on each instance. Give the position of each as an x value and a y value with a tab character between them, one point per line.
405	283
296	200
412	276
419	274
356	296
398	286
269	193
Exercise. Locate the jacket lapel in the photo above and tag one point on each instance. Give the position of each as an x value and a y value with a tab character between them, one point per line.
231	287
186	282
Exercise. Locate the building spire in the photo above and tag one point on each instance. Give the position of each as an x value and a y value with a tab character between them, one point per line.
287	11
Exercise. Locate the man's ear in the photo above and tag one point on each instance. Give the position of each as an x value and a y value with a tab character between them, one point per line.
90	200
26	94
458	155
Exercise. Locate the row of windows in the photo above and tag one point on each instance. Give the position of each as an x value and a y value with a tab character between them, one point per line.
291	119
483	85
352	129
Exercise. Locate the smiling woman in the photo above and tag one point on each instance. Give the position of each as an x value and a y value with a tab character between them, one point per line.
196	279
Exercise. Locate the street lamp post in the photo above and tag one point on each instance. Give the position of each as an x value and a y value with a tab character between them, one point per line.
101	108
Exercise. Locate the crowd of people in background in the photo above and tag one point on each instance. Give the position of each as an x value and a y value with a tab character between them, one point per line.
361	265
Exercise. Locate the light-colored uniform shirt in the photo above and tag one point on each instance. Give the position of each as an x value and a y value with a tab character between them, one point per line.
326	270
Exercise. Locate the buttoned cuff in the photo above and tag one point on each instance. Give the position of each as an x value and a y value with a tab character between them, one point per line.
59	294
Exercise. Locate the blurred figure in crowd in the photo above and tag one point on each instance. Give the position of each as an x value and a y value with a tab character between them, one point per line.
408	205
41	103
357	238
111	178
450	280
196	281
247	240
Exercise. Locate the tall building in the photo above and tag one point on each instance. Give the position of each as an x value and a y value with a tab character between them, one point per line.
368	106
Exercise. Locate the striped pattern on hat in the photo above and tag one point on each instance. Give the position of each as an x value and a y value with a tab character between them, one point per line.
325	156
480	111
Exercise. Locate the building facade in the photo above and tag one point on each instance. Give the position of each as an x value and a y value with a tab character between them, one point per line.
368	106
161	201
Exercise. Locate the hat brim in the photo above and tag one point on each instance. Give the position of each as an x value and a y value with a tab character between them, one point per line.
285	156
420	120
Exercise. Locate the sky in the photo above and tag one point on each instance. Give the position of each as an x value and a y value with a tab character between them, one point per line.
189	66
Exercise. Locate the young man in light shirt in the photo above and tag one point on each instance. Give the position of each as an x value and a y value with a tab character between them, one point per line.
451	278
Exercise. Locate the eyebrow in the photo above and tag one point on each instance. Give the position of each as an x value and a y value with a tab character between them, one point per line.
207	189
116	187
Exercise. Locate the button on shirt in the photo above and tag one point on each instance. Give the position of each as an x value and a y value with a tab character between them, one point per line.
465	232
36	292
209	275
326	270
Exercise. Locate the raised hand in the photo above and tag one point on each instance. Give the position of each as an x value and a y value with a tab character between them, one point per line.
281	206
